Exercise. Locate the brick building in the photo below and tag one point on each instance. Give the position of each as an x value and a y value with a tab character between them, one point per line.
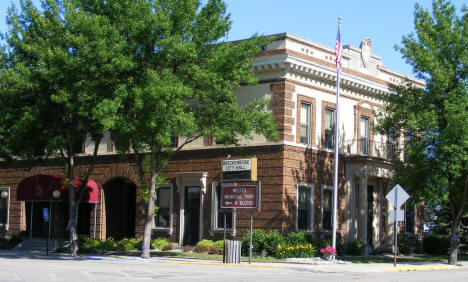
296	173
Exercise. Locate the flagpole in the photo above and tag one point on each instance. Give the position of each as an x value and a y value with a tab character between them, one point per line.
337	131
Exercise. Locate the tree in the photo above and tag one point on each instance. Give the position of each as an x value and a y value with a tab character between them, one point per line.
62	77
434	119
182	85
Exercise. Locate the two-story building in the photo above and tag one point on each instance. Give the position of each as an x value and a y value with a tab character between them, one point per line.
296	173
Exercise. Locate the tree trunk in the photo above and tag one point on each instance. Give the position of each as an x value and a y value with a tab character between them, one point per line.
73	207
150	204
149	215
454	240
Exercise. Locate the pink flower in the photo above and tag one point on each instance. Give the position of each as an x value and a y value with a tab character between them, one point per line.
328	251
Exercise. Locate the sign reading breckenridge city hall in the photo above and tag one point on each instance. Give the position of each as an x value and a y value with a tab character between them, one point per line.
241	169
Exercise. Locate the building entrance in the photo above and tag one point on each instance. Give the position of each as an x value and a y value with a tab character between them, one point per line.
192	215
120	197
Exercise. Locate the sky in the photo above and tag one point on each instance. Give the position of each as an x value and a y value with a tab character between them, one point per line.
383	21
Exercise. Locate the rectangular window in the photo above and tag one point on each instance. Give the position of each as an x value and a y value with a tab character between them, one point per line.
409	218
164	204
304	208
305	119
392	144
218	214
4	207
364	136
327	205
329	128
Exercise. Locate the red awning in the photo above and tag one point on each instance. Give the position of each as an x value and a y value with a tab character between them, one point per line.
40	188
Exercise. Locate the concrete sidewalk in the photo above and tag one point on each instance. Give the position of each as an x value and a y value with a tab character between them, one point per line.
319	267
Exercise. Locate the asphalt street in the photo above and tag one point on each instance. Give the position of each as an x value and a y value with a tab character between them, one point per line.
33	266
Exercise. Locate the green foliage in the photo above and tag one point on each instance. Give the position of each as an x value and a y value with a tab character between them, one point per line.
10	243
209	247
296	251
439	217
409	244
321	242
127	244
353	248
434	116
107	245
159	243
296	239
272	240
91	243
436	244
258	242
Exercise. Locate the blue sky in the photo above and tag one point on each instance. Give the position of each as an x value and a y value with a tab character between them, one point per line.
384	21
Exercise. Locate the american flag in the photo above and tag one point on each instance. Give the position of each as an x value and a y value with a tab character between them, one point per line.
338	48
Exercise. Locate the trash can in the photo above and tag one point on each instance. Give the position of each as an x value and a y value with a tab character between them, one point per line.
233	251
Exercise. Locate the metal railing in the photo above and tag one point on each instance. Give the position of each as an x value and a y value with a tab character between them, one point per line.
367	147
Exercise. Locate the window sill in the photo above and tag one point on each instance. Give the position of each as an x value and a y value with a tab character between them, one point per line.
308	231
163	229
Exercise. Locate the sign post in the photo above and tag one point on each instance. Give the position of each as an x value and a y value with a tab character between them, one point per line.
397	197
45	214
242	197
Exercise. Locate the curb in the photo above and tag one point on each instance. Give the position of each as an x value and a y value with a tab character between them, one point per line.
420	267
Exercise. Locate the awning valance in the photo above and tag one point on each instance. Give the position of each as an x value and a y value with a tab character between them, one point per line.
40	188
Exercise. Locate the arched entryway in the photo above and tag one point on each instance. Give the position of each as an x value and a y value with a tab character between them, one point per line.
120	197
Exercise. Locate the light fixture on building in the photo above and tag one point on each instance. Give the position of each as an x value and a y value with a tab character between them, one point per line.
56	194
203	182
4	194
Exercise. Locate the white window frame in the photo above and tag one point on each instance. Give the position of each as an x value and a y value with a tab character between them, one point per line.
311	204
308	125
169	229
5	225
326	188
215	212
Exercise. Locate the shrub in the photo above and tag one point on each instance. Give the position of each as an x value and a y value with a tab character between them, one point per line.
168	247
353	248
205	243
90	243
138	243
321	243
219	244
296	238
201	249
208	246
272	240
258	242
127	244
298	251
436	244
159	243
187	249
107	244
409	244
215	250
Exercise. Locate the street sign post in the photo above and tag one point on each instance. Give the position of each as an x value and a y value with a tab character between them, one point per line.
397	197
241	197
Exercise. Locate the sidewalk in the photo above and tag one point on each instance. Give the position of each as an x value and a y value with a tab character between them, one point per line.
313	266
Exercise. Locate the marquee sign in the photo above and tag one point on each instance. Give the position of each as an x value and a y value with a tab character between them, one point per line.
239	197
241	169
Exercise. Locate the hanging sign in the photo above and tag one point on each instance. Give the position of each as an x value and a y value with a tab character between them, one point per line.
45	214
239	197
241	169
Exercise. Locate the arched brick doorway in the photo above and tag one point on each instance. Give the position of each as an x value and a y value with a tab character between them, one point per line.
120	196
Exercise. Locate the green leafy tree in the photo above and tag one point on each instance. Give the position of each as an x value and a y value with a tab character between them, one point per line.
434	119
60	78
182	84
